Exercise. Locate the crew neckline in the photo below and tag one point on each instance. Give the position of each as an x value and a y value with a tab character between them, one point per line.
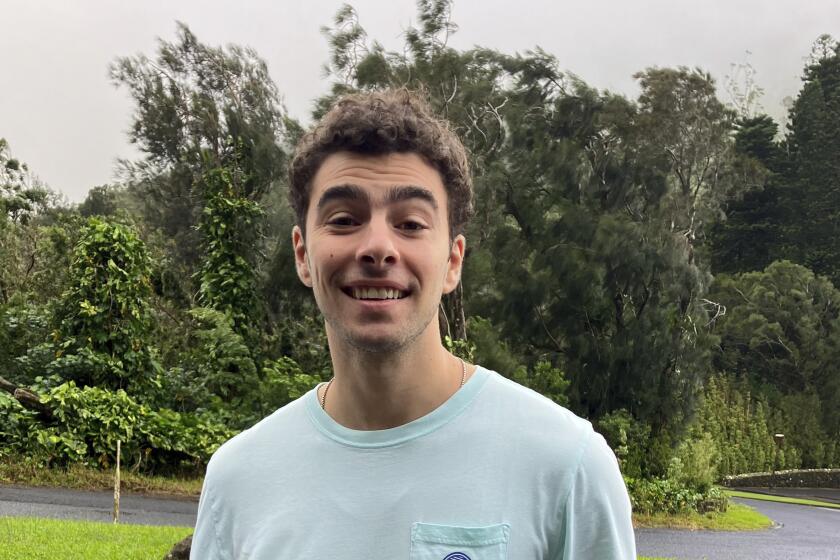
432	421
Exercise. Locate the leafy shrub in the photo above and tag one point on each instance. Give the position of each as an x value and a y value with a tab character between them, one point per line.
214	366
628	439
15	425
663	495
545	379
283	381
695	463
104	315
89	421
22	326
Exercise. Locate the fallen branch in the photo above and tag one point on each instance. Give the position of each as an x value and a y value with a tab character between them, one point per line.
27	399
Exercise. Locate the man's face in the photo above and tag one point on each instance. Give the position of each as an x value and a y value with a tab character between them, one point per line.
377	252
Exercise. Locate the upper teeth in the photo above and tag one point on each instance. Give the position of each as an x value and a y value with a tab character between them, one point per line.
377	293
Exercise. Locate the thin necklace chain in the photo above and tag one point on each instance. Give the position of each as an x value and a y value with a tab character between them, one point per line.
327	388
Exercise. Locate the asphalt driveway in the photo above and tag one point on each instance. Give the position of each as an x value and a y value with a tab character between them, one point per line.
95	506
802	533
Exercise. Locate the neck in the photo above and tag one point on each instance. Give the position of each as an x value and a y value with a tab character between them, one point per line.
377	391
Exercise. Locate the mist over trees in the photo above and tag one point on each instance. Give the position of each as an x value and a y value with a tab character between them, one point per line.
665	266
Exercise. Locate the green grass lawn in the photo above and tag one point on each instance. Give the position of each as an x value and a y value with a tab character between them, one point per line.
27	538
737	517
18	470
782	499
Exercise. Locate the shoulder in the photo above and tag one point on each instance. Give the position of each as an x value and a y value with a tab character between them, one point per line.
550	432
525	407
258	444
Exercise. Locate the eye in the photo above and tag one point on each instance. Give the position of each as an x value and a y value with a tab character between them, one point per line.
411	225
341	221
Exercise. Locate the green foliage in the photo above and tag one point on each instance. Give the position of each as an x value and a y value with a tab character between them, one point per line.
628	439
213	366
768	225
22	194
461	348
229	227
104	316
695	462
782	329
490	350
815	162
669	496
545	379
734	428
283	381
89	421
199	108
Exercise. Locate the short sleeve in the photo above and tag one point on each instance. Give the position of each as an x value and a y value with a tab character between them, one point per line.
206	544
597	519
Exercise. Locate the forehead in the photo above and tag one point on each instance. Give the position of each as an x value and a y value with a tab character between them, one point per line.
377	174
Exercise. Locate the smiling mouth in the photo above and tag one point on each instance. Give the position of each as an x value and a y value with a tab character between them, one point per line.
376	294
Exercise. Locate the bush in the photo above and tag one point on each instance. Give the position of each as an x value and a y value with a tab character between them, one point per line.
89	421
695	464
628	439
663	495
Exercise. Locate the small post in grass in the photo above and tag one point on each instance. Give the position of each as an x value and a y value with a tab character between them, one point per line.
117	487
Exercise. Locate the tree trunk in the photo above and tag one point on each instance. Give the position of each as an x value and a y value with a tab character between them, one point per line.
452	318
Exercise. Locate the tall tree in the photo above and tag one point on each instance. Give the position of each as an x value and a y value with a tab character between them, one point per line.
199	108
685	129
814	145
757	227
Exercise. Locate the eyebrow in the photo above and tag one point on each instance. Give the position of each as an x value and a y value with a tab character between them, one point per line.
394	195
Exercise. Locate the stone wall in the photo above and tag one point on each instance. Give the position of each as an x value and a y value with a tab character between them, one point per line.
813	478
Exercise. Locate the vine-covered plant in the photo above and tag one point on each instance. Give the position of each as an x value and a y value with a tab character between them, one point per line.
104	317
229	227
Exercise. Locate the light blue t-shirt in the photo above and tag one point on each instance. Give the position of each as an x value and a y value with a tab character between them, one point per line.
496	472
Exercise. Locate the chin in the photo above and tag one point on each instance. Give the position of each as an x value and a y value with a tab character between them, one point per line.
375	345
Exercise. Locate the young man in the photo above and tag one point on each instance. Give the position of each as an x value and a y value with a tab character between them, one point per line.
407	452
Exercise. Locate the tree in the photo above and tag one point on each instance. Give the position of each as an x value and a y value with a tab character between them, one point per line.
31	231
757	227
781	329
229	226
685	129
104	317
22	194
815	162
199	108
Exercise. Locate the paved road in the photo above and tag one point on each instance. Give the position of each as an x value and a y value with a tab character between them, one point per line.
95	506
805	533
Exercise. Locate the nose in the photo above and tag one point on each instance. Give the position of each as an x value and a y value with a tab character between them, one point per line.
377	247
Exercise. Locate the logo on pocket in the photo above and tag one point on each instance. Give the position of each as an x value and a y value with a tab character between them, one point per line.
457	556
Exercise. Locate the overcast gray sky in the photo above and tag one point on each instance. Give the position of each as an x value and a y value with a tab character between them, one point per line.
63	117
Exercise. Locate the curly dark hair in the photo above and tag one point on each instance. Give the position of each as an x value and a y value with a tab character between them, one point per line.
383	122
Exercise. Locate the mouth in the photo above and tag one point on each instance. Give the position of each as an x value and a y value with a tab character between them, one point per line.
370	293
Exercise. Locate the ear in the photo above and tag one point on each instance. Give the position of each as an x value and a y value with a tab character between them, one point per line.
301	260
454	264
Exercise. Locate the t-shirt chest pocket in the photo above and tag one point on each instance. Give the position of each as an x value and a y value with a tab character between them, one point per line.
448	542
